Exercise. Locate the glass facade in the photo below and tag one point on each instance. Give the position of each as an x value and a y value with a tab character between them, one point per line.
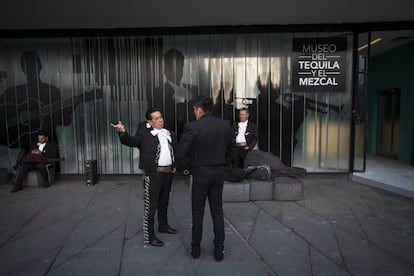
75	87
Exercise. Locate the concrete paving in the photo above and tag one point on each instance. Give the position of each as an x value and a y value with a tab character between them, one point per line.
338	228
391	175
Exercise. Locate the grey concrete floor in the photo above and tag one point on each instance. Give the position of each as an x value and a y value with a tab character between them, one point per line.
339	228
387	174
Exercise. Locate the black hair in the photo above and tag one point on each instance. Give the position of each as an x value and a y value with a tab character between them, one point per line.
150	111
43	133
205	103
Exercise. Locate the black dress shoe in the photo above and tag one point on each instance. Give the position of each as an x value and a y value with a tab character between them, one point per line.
16	189
195	250
247	171
262	172
218	252
46	185
156	242
167	230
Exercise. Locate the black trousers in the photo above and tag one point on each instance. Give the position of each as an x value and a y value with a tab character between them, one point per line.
239	158
25	167
207	183
157	188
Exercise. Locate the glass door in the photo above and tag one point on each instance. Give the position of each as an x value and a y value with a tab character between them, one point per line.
388	123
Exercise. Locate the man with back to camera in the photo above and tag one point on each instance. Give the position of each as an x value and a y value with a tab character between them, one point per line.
157	146
204	147
42	147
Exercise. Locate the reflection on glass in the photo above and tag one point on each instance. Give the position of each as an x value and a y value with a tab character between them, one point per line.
236	70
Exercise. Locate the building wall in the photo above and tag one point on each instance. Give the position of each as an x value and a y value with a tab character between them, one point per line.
99	80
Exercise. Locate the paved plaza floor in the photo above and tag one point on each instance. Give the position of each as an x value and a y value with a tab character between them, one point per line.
339	228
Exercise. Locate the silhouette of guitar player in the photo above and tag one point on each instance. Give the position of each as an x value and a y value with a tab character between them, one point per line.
28	108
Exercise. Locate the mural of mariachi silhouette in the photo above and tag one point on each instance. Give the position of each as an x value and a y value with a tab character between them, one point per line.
174	97
35	105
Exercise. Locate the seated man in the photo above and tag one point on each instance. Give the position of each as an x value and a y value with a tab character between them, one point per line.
43	147
246	140
246	137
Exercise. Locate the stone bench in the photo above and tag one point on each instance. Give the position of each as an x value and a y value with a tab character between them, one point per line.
287	188
261	190
33	179
279	188
236	191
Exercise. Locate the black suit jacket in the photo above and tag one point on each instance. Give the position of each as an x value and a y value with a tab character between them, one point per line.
50	149
251	134
148	146
206	142
143	125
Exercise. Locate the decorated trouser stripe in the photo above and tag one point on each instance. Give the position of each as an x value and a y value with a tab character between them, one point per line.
147	204
157	188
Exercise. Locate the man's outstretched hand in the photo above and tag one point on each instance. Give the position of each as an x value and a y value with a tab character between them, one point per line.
119	127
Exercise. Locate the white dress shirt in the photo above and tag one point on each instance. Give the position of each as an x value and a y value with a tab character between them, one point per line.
41	146
240	138
164	137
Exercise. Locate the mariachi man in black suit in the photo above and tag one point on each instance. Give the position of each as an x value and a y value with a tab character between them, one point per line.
204	147
246	136
44	147
157	147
